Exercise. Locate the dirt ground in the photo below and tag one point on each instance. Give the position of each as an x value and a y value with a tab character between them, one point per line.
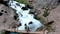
55	15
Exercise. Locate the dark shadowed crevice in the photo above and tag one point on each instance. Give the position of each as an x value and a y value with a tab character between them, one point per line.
49	23
31	12
31	23
9	32
5	11
24	8
1	14
4	2
15	17
58	1
19	25
28	6
2	11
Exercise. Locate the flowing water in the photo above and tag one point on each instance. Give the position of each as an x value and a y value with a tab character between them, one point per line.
24	17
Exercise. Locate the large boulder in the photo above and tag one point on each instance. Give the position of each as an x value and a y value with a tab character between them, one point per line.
40	3
6	17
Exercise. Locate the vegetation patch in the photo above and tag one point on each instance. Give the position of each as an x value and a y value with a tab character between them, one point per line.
46	12
22	1
42	19
3	32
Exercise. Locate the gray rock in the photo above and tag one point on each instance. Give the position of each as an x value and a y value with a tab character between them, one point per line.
40	3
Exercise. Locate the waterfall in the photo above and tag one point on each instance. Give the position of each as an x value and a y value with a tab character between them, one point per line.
25	17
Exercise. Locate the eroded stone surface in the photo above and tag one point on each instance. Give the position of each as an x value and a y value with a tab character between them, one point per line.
7	18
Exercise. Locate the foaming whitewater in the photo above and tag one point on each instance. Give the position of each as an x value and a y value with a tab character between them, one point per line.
24	17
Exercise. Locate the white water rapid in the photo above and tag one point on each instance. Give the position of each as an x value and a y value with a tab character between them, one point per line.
25	17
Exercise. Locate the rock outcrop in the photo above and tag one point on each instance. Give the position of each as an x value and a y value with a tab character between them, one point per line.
41	3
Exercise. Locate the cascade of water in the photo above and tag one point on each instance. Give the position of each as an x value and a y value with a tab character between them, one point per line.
25	17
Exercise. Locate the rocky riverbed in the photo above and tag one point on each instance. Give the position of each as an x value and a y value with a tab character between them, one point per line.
37	5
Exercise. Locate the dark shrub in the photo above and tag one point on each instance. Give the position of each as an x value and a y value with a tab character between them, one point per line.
46	13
